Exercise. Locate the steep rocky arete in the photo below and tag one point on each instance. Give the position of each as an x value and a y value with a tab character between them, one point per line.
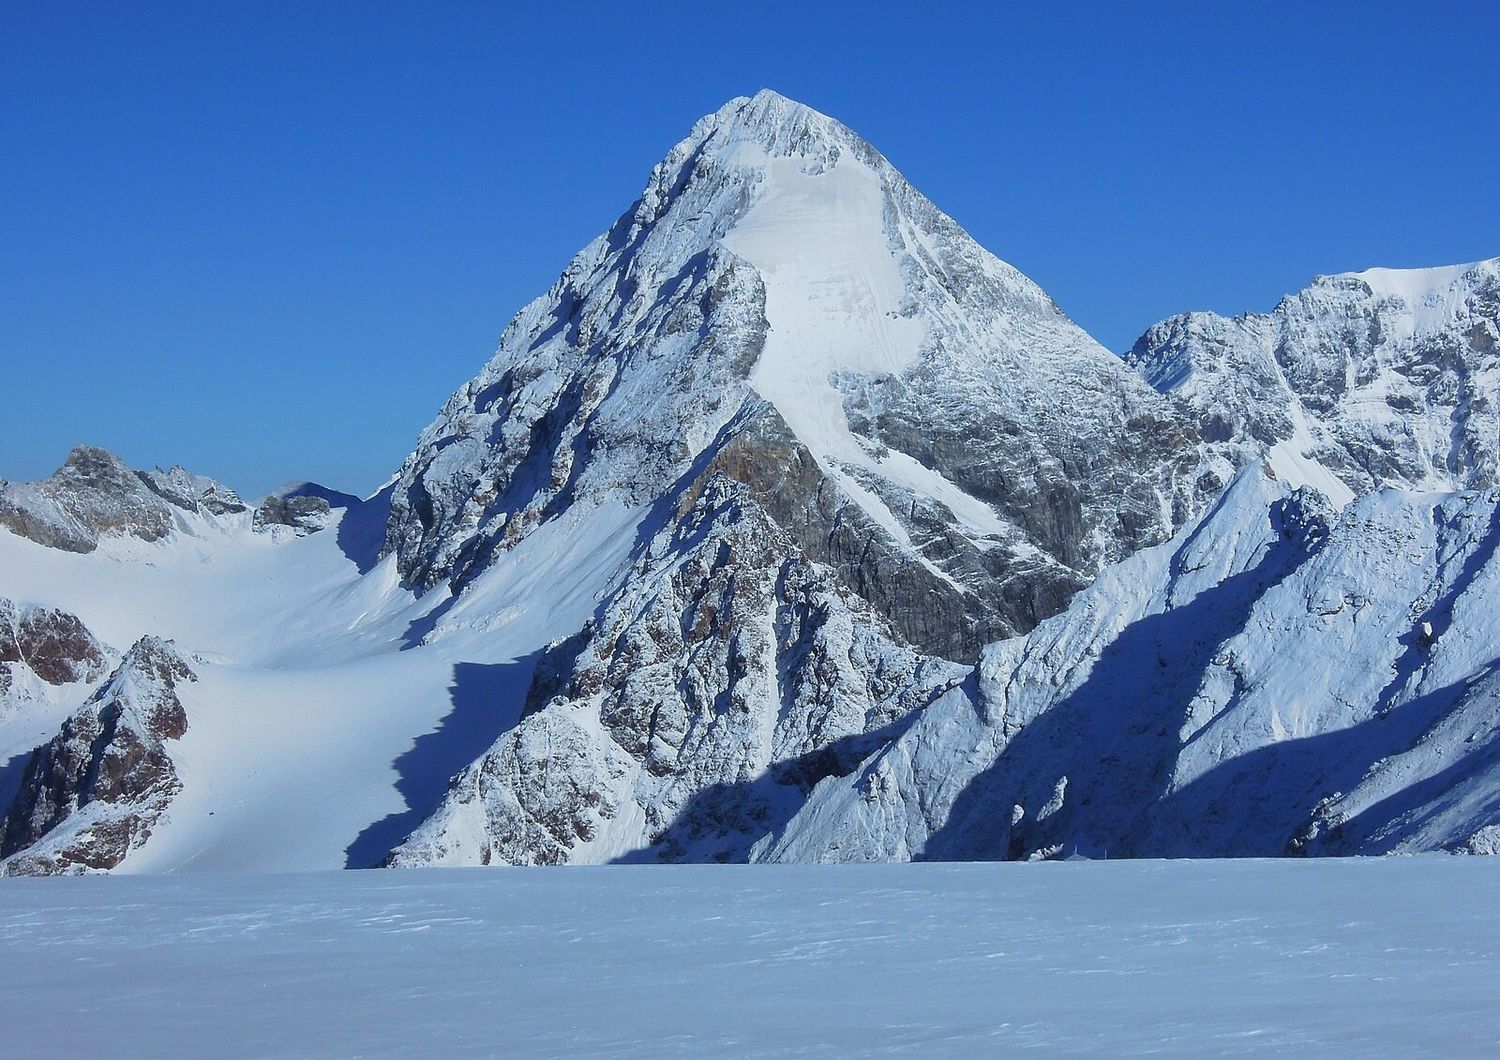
92	793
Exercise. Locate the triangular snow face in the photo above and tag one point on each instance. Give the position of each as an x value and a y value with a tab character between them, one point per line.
916	412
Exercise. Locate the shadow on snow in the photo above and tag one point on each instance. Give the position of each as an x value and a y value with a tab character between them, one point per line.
361	532
487	702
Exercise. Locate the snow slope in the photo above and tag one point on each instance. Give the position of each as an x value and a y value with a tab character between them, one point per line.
331	705
1391	957
1279	678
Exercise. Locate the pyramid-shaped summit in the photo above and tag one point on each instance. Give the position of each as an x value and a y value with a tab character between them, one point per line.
966	456
850	447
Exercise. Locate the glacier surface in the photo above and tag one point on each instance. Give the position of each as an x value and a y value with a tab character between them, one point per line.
1368	957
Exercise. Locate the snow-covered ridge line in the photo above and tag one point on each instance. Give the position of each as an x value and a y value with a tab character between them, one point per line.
94	496
791	524
1384	377
1414	286
1276	680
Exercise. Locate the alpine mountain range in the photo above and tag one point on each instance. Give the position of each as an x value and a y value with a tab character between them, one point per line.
791	524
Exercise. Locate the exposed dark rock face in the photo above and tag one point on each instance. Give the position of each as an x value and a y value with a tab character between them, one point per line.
955	595
93	793
53	646
305	515
1085	490
726	678
335	498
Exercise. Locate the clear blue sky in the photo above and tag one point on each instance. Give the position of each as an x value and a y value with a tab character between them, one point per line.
266	240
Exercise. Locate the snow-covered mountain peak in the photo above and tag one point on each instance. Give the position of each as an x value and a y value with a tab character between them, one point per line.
779	125
790	523
779	278
1415	286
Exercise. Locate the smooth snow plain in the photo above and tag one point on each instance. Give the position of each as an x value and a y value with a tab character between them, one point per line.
1357	957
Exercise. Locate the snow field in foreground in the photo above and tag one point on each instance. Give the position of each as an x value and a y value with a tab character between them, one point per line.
1338	957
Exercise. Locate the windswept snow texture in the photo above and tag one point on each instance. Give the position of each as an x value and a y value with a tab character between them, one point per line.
1369	958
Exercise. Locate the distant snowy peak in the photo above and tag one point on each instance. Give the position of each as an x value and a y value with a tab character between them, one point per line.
95	496
1383	377
192	492
93	493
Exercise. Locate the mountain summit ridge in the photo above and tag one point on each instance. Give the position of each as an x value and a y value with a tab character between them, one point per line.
885	340
792	524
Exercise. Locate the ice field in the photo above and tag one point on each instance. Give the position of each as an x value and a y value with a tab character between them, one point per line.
1360	957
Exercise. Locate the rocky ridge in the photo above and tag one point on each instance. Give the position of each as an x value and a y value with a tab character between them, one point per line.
966	446
93	793
92	494
726	678
95	495
42	646
1385	377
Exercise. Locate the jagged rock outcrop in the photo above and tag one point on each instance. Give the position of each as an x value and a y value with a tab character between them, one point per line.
94	792
725	678
191	492
303	514
971	457
335	498
93	493
1385	377
44	646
